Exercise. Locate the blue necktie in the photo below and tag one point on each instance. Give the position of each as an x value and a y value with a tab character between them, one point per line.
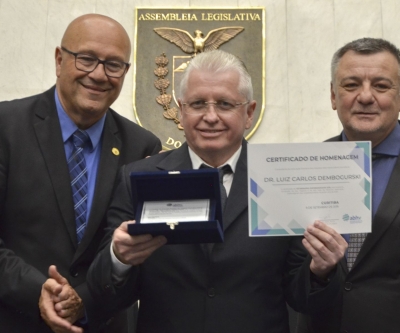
79	179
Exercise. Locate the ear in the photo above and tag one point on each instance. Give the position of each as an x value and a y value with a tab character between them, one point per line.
58	58
180	109
250	113
333	97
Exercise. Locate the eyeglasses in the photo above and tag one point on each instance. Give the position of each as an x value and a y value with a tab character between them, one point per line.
222	107
88	63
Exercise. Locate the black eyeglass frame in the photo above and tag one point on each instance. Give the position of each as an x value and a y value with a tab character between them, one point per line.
103	62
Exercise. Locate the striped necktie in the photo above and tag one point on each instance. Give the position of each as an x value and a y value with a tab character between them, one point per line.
79	180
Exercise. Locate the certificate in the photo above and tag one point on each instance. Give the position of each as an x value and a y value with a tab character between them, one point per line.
175	211
292	185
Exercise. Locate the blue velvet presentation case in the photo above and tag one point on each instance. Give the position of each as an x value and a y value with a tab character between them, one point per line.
179	185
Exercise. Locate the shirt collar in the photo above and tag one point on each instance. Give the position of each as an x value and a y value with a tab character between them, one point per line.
390	146
68	127
197	161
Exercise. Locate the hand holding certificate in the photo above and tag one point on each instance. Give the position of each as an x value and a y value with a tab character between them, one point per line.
292	185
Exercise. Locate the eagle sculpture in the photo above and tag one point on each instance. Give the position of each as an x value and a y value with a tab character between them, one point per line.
214	39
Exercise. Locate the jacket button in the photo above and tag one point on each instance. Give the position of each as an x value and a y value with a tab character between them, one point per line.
211	292
110	321
74	273
348	286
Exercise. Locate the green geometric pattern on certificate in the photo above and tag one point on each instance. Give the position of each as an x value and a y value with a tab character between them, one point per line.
366	185
258	226
365	147
277	230
257	215
296	227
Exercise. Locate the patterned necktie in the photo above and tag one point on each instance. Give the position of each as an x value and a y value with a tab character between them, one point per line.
79	179
355	243
357	240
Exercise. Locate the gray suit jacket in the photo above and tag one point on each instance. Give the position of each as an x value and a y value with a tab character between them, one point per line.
240	286
369	300
37	223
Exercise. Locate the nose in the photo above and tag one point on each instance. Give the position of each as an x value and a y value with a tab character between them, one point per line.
211	114
366	96
99	73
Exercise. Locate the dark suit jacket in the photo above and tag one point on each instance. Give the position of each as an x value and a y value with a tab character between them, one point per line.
369	300
37	223
240	286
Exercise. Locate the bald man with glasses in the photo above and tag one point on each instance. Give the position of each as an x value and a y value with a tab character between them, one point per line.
60	152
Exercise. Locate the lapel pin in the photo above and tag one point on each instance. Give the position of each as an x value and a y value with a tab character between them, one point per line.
115	151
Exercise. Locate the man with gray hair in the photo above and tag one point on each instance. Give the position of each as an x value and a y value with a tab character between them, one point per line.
240	285
365	91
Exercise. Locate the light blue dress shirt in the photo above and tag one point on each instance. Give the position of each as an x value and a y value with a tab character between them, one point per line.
91	154
382	167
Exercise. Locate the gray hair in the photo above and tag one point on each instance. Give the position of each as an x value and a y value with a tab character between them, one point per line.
218	61
364	46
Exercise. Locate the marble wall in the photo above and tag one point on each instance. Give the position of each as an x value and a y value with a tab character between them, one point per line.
301	37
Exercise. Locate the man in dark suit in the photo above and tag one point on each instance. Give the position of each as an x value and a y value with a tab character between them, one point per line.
37	216
365	91
240	285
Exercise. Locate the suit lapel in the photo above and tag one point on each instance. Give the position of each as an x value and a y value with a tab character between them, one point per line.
105	180
48	133
385	214
179	159
237	199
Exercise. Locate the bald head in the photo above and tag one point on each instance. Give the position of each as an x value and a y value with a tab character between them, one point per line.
87	95
98	26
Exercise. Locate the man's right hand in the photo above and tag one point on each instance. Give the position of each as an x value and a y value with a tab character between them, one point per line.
134	250
54	290
326	247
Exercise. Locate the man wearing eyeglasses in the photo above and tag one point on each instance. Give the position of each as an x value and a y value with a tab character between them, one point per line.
60	152
240	285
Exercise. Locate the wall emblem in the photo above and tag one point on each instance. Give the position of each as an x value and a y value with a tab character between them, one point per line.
164	47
